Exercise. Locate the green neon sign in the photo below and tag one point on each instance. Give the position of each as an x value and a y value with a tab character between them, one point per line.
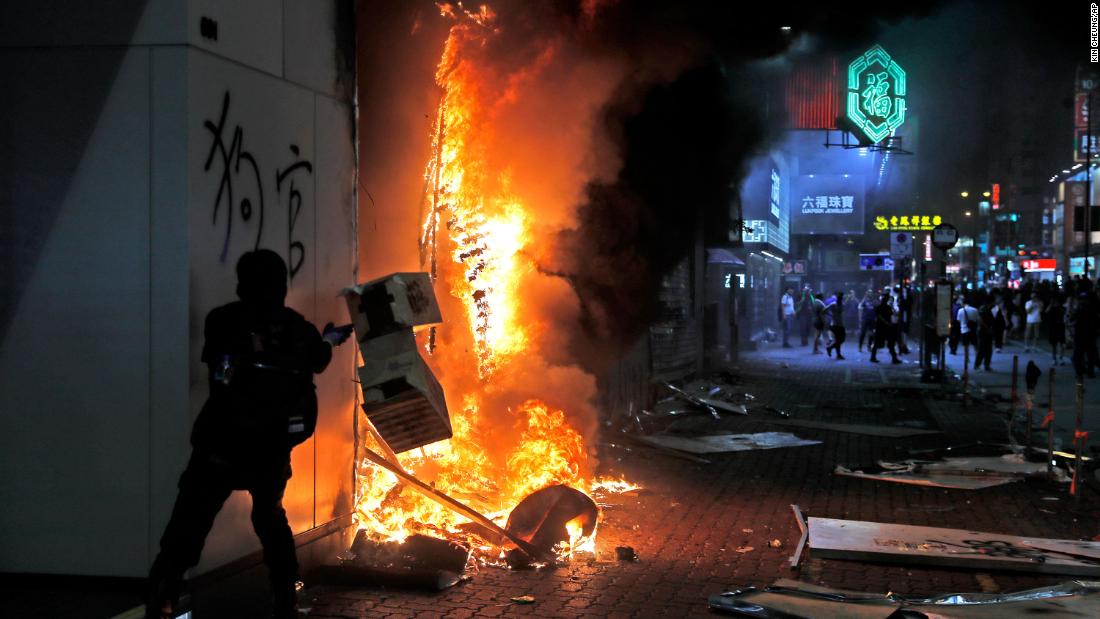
876	94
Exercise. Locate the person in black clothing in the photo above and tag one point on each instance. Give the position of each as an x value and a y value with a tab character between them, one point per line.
836	312
1084	336
1055	319
261	357
884	330
985	337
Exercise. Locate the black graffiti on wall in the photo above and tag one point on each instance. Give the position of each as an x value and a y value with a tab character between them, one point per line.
295	251
240	187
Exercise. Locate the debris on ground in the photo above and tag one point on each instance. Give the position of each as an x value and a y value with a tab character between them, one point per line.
625	553
898	543
775	543
524	599
790	598
889	431
965	473
721	443
744	549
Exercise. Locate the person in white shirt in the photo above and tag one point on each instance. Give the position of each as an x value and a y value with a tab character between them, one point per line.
968	324
787	308
1034	310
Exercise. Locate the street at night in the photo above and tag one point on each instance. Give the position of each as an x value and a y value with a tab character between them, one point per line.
586	308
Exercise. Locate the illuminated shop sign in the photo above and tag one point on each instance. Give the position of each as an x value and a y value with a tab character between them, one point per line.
1041	264
774	199
876	94
907	223
827	204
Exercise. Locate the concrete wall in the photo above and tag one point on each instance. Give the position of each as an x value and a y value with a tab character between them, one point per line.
130	118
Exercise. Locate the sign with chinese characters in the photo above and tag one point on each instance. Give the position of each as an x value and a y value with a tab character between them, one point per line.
763	199
1041	264
1083	146
755	231
907	223
827	204
773	201
876	94
996	199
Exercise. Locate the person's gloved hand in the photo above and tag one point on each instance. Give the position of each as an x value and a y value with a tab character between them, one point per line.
336	335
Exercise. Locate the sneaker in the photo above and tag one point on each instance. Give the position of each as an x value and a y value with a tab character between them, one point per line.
840	357
873	360
895	361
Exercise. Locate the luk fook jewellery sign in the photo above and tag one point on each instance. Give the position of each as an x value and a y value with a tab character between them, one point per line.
876	94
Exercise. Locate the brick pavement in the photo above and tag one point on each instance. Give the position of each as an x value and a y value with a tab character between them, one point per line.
690	521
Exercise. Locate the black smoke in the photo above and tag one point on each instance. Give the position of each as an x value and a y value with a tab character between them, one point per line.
684	141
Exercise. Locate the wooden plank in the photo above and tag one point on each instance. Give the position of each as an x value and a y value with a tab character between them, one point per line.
797	556
456	506
897	543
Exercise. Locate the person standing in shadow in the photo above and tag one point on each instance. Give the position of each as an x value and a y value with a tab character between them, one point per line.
261	357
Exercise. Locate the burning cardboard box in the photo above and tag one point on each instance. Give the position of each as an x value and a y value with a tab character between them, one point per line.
401	396
396	302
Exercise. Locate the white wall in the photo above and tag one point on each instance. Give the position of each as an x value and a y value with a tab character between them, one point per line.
109	223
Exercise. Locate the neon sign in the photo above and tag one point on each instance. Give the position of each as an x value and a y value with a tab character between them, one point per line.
907	223
876	94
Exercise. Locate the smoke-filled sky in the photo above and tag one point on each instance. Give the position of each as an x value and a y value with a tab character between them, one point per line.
661	96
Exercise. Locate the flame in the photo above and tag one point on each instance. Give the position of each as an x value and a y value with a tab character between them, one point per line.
477	235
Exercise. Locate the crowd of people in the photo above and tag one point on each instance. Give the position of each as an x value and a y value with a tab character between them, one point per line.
1042	315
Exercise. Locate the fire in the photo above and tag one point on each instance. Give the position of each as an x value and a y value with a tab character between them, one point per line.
477	236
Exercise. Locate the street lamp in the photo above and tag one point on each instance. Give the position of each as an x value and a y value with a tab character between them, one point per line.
986	194
965	194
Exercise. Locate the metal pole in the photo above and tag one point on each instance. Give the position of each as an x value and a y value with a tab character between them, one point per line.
966	371
1078	442
1049	423
1088	183
1015	399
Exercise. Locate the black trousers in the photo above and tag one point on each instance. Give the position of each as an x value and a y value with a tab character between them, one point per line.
1085	357
203	488
839	335
985	348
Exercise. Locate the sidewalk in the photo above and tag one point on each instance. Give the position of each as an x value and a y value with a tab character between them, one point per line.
701	529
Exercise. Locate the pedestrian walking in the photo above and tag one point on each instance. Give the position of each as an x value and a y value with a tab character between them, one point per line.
985	337
835	315
1034	312
786	315
818	308
954	333
1056	330
867	319
1000	321
804	313
884	330
968	324
261	357
903	302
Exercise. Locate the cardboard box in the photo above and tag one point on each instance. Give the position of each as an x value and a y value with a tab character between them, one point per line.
401	396
393	303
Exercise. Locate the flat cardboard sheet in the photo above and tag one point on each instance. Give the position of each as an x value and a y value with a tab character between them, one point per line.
897	543
728	442
958	482
788	598
854	428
